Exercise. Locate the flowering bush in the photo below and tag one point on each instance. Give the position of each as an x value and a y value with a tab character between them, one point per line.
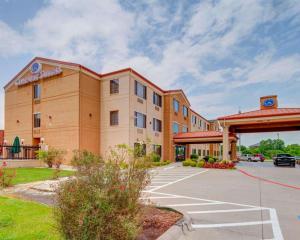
102	200
6	176
51	157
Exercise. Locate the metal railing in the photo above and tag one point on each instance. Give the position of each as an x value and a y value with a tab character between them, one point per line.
24	152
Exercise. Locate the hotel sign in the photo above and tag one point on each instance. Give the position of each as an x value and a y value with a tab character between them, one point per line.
269	102
36	70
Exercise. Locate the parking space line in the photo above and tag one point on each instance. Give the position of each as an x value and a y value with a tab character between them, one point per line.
228	210
158	197
238	224
275	226
181	179
194	204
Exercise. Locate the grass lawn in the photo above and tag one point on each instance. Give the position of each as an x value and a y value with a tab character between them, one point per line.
25	175
26	220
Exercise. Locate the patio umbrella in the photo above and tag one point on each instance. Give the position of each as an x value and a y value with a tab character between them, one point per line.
16	148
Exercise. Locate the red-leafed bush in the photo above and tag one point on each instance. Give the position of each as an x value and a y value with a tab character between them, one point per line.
220	165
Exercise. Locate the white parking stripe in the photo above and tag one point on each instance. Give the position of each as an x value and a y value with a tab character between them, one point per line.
230	224
157	197
181	179
275	226
194	204
228	210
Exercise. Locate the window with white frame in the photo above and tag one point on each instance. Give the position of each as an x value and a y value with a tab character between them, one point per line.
157	100
185	129
139	120
175	127
114	86
156	125
185	111
37	120
36	91
175	105
140	90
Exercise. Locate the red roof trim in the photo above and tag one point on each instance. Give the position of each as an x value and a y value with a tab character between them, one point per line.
201	134
178	91
199	115
263	113
52	61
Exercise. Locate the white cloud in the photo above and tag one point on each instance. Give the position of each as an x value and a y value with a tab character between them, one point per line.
104	35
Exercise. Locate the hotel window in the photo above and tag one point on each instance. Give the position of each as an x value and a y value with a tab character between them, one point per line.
156	125
185	129
207	152
175	127
114	86
114	118
139	149
157	149
175	105
36	91
156	99
36	120
140	90
199	152
194	151
185	111
139	120
194	119
203	153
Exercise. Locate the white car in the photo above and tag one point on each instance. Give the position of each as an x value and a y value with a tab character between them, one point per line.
249	157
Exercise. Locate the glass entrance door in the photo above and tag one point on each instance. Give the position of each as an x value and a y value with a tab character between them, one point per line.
180	153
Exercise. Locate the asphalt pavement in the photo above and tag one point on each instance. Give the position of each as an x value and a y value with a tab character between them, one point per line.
256	201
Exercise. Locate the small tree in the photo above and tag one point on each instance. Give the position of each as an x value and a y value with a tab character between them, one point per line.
6	176
102	200
52	157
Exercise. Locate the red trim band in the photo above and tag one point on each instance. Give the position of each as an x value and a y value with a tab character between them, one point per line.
269	181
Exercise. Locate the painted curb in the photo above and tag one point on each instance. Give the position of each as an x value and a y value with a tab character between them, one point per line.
178	229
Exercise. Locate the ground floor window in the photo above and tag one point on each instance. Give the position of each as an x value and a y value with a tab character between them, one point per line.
207	152
139	149
199	152
36	120
157	149
194	151
203	153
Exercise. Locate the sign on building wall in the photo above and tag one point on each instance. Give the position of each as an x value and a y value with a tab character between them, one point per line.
38	73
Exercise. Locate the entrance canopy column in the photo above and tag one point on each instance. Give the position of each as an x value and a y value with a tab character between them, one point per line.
225	143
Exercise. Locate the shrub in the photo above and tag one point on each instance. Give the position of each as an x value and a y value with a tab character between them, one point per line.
102	200
211	160
189	162
154	157
6	176
51	157
194	157
201	163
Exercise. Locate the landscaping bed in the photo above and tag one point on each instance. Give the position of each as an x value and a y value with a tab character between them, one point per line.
156	221
209	163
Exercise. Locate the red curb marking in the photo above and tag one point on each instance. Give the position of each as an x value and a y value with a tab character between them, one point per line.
269	181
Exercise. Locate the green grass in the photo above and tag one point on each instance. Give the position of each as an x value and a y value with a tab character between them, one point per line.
23	220
26	175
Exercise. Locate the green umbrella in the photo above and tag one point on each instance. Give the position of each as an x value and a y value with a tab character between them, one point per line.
16	148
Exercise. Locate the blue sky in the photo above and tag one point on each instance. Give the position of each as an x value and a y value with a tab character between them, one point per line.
225	54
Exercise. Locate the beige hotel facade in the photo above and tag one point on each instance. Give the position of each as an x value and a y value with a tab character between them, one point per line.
68	106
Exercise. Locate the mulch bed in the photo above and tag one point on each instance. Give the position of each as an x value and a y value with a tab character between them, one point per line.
156	221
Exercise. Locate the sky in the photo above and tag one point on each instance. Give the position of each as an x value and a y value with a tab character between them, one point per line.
224	54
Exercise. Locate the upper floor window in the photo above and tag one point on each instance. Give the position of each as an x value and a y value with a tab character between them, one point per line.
175	105
36	91
175	127
114	86
185	129
194	119
157	99
200	122
156	125
114	118
140	90
37	120
185	111
139	120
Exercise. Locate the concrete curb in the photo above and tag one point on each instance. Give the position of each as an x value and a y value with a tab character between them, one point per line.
178	229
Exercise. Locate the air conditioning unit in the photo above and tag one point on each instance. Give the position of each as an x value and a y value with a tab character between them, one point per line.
156	108
140	100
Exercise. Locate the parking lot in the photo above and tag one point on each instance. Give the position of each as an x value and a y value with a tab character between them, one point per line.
257	201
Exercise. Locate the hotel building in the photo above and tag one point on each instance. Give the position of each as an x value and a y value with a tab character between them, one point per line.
69	106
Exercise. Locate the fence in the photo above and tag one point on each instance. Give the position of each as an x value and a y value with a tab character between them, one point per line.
26	152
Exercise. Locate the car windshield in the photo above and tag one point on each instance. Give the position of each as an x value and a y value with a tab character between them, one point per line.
284	155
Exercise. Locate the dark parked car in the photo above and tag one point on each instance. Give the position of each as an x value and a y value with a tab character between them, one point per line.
284	159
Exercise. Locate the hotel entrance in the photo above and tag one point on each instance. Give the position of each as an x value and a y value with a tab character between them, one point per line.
180	153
